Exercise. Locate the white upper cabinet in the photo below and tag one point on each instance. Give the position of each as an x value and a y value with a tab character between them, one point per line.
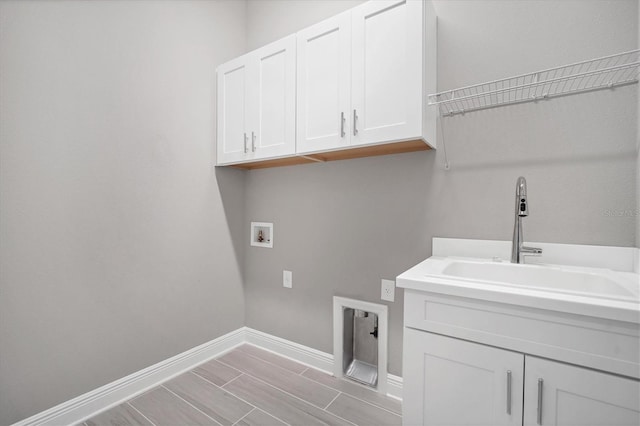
232	102
387	73
363	76
273	108
256	104
324	85
356	80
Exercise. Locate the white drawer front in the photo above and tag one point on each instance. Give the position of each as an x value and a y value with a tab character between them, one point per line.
601	344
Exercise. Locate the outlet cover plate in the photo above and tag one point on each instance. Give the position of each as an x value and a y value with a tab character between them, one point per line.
388	290
287	279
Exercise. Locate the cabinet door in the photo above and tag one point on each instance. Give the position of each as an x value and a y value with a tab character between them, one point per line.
232	143
272	100
576	396
453	382
324	86
387	45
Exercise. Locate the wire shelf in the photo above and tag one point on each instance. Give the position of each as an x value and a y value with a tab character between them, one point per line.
600	73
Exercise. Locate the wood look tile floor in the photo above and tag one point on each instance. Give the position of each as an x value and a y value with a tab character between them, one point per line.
252	387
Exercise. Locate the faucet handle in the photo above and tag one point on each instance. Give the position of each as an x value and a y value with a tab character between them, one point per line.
530	251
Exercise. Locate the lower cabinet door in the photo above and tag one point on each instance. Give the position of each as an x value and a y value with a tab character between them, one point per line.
448	381
566	395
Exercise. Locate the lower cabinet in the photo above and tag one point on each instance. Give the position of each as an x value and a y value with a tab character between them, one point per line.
561	394
449	381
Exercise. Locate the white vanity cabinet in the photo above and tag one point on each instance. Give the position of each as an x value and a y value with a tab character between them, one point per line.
256	104
559	394
475	362
449	381
363	75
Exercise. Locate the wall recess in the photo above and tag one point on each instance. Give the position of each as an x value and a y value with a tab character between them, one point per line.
262	234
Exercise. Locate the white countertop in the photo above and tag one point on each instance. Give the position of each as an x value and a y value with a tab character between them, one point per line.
428	276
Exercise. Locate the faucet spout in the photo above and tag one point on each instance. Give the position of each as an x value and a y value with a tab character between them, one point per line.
518	250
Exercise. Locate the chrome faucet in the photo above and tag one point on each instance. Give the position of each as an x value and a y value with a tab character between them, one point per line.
518	251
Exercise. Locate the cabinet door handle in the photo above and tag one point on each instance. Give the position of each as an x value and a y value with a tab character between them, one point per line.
253	142
539	419
355	121
245	144
509	392
342	120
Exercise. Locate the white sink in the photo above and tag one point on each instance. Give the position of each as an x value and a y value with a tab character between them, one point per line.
541	277
594	281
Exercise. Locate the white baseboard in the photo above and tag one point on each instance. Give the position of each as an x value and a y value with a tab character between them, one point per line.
288	349
394	386
89	404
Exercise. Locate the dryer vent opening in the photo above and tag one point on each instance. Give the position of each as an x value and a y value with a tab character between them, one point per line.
360	336
360	346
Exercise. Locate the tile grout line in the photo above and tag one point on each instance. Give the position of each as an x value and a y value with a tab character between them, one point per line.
218	361
289	371
169	390
218	386
374	405
242	373
238	421
253	407
352	396
271	363
331	402
140	412
241	399
275	387
355	397
296	397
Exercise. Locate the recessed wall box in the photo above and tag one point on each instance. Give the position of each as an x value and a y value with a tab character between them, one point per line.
262	234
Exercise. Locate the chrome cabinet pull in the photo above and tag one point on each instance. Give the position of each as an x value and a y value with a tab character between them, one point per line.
342	120
245	144
540	383
253	142
355	120
509	392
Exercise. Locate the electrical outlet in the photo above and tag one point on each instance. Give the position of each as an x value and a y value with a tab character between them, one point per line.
388	290
287	279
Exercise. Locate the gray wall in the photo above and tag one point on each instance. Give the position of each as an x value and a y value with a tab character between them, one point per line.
117	237
342	226
120	246
269	20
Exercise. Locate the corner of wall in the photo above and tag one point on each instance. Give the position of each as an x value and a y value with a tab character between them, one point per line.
246	25
637	212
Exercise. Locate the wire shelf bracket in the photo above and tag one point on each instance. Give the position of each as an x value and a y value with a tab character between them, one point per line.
595	74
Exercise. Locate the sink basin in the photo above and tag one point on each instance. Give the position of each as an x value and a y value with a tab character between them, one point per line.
593	281
540	277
